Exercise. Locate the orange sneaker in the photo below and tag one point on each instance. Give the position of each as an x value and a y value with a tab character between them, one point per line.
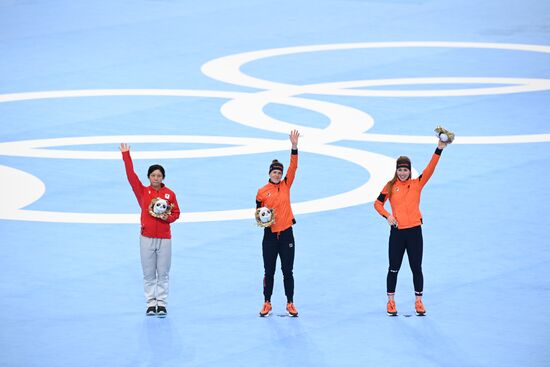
392	311
291	309
419	307
266	309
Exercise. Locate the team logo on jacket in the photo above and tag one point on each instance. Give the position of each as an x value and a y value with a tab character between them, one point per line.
290	245
167	196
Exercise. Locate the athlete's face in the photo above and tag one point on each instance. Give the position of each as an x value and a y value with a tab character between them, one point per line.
156	178
275	176
403	173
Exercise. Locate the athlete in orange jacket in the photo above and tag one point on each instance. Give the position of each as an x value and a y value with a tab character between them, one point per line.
405	221
278	239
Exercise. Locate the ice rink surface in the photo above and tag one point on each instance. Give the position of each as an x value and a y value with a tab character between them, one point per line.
211	90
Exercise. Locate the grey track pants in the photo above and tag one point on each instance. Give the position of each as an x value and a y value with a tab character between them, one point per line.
156	257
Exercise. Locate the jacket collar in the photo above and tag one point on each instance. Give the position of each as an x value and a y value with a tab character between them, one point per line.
161	187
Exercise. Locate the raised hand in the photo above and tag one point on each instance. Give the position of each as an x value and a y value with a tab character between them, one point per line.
294	135
124	147
442	144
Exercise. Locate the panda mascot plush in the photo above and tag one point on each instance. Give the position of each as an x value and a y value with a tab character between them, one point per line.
265	217
444	135
158	207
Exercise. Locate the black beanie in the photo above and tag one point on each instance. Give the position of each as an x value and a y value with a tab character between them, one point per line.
403	162
276	165
155	167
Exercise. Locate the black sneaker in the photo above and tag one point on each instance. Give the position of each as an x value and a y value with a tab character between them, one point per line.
151	311
161	311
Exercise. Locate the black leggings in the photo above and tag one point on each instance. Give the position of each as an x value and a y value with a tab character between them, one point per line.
409	239
282	244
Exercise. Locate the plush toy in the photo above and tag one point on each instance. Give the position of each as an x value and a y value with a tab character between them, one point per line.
265	217
158	207
444	135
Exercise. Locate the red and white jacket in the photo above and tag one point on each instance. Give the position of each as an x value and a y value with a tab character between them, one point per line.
150	226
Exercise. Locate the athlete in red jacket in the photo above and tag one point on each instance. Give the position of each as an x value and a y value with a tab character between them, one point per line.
405	221
278	239
155	240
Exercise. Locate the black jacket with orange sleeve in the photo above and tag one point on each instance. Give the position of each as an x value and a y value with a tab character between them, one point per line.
405	197
277	196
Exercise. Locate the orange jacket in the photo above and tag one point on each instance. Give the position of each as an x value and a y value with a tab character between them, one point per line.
405	198
277	196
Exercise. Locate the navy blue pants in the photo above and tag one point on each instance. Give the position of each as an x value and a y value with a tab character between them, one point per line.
402	240
278	244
